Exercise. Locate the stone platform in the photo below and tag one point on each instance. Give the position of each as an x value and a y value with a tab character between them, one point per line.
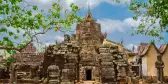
89	82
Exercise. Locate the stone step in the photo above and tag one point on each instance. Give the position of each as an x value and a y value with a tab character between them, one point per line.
88	82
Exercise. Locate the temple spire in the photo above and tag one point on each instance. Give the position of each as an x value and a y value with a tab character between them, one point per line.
105	35
121	42
89	16
133	48
88	8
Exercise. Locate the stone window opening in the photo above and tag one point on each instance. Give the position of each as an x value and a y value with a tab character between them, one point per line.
88	74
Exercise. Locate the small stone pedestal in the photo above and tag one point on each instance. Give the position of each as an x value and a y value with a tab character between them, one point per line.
54	82
96	82
53	71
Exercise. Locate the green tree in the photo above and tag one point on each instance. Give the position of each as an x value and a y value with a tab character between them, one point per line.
149	13
15	18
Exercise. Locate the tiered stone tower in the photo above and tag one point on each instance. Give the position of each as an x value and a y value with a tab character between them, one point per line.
88	31
83	59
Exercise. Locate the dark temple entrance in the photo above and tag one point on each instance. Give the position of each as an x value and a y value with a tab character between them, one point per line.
89	74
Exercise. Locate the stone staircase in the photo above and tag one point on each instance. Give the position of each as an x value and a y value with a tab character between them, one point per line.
88	82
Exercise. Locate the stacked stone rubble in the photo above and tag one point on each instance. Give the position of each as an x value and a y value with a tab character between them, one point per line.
69	52
113	64
53	74
121	63
108	65
3	68
107	69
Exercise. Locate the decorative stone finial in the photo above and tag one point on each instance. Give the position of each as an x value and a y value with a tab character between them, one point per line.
105	35
89	16
88	8
121	41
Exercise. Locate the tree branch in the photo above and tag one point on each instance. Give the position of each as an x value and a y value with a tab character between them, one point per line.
31	36
147	30
17	49
8	48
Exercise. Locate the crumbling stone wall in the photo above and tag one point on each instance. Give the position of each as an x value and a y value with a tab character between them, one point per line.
108	64
4	73
65	56
114	64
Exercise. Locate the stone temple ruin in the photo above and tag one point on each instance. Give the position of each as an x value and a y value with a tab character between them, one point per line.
80	59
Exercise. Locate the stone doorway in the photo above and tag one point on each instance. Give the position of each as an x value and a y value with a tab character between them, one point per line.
88	74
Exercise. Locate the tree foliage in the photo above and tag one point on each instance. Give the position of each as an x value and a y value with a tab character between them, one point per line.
152	16
10	60
20	23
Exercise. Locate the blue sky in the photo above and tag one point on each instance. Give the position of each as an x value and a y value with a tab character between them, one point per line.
115	19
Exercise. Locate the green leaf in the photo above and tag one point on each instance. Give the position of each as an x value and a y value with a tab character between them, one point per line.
1	42
42	10
13	51
16	37
37	27
0	1
21	45
7	24
152	41
35	8
11	33
24	34
5	38
72	5
57	15
10	59
9	51
29	13
135	18
10	43
3	30
17	31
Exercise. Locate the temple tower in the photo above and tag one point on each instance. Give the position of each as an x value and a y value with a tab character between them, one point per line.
88	31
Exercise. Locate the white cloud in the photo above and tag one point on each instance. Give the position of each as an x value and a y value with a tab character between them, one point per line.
130	47
43	4
94	3
81	3
115	3
59	38
109	25
147	22
131	22
47	44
